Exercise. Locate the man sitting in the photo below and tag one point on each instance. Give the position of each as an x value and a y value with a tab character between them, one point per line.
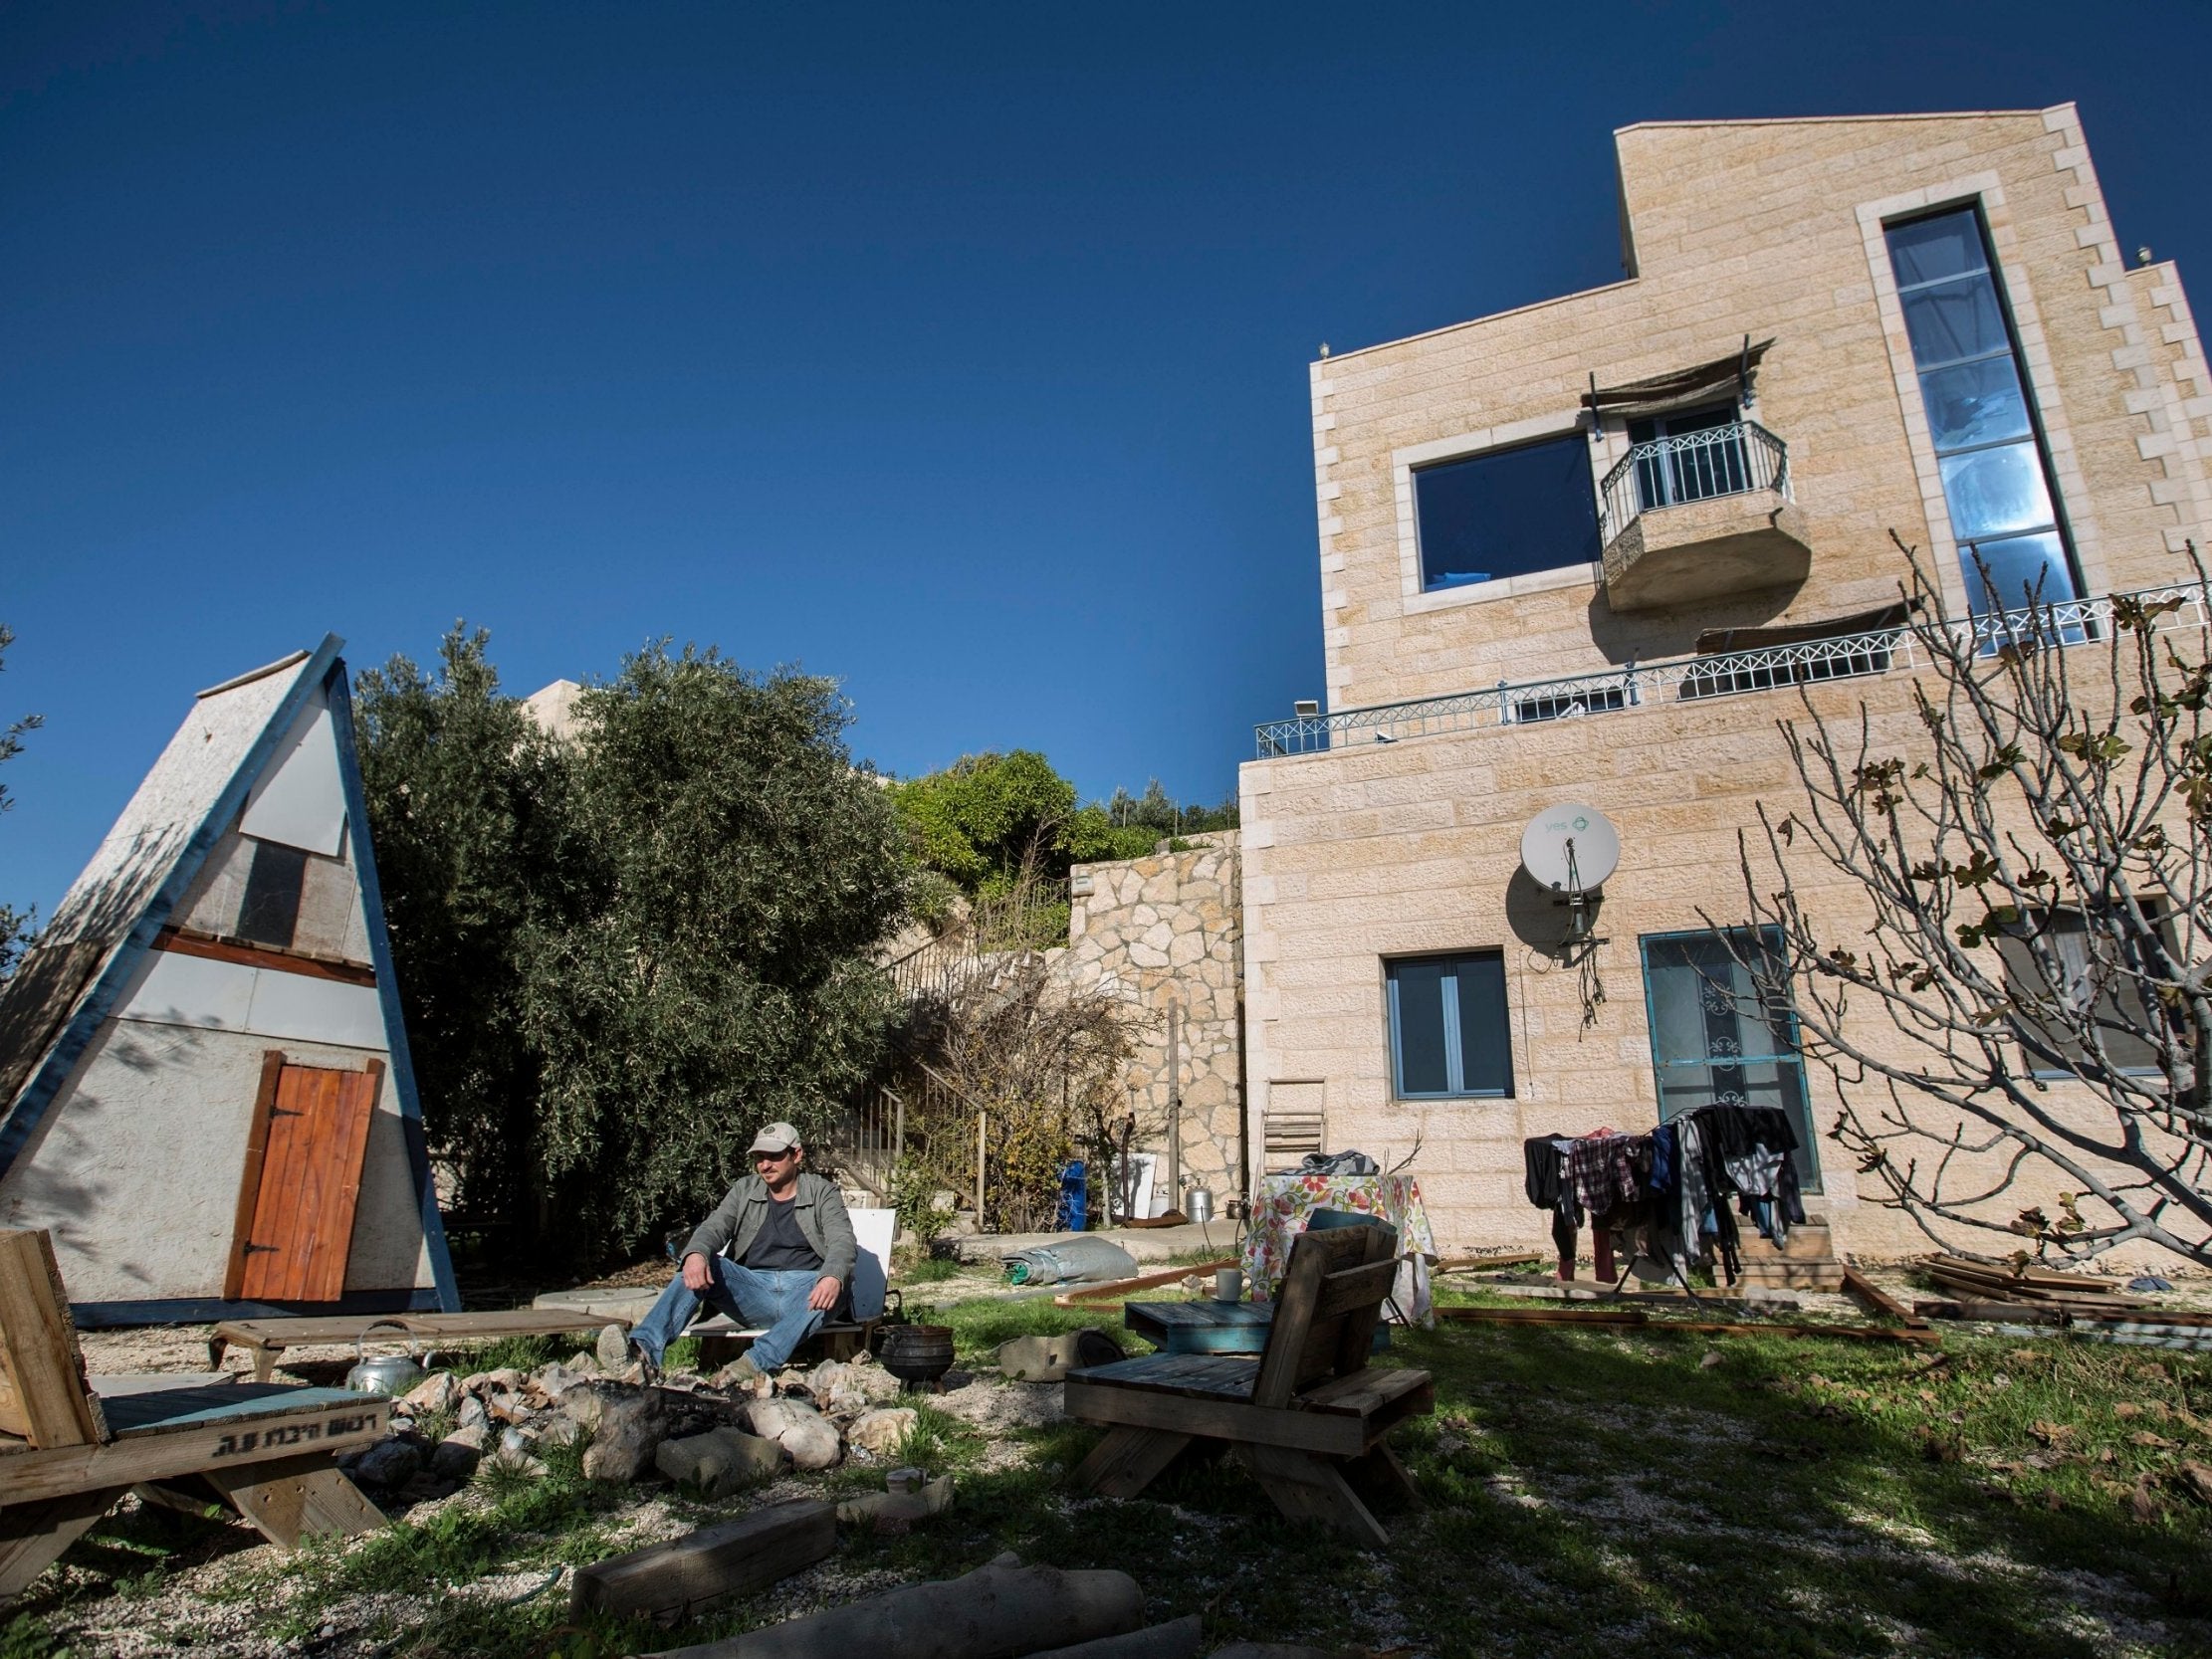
777	1253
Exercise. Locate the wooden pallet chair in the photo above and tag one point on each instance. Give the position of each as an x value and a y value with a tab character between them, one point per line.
71	1446
1307	1417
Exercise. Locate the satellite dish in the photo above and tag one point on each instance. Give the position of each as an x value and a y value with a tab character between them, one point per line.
1570	847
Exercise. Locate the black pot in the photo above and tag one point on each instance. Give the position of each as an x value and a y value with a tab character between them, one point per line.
918	1355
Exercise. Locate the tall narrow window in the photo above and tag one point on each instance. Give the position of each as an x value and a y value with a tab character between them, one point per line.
1715	1039
1989	447
1447	1026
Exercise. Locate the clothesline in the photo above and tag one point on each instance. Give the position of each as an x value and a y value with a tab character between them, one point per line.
1666	1191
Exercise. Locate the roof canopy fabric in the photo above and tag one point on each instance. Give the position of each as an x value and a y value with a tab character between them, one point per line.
1714	640
1683	388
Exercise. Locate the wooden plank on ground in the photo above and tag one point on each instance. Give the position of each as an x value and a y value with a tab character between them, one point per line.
1875	1298
733	1559
38	1341
1519	1258
290	1499
1545	1316
1075	1294
1696	1327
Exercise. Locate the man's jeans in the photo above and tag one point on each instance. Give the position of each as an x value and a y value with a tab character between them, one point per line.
754	1296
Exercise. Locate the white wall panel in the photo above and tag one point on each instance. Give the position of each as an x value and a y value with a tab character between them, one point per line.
298	800
173	989
315	1010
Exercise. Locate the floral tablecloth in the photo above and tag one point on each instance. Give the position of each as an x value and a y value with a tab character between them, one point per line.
1283	1202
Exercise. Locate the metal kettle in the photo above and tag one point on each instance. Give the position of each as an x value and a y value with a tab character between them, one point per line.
390	1373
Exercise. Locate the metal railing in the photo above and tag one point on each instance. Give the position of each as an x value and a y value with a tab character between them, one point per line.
1635	686
1730	459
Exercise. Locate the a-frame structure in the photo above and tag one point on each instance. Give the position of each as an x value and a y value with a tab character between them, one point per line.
206	1089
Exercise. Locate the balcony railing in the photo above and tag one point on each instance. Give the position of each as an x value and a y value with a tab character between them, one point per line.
1731	460
1638	685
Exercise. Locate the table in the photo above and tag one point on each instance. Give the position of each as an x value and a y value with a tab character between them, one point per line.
1283	1204
1204	1327
1209	1326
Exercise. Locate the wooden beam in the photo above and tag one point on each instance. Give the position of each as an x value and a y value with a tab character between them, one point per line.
193	1449
32	1535
1691	1327
1545	1316
1128	1460
1078	1294
1307	1431
1875	1298
734	1558
1309	1488
38	1341
290	1499
263	956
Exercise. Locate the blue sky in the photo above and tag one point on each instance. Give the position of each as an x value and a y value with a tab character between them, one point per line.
955	351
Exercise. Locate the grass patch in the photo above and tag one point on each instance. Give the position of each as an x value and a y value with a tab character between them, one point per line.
930	1270
1588	1492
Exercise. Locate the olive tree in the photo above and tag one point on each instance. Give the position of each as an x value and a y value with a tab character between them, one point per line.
712	968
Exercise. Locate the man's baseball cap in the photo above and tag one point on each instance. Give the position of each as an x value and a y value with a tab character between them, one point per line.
776	1138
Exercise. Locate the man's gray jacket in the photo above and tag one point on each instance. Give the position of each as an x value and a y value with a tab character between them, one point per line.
820	1214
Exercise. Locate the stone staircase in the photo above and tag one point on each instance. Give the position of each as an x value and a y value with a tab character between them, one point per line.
1808	1261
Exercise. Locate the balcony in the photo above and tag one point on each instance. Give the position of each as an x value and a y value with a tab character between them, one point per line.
1699	515
1639	688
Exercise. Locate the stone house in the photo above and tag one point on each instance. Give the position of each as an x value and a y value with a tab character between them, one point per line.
1592	550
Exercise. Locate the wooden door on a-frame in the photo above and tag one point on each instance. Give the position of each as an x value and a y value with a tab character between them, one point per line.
302	1183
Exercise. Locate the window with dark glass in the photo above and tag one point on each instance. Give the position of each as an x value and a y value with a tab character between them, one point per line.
1724	1034
1507	513
1988	446
270	914
2077	980
1702	455
1447	1026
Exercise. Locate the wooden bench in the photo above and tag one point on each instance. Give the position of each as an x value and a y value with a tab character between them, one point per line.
71	1447
265	1338
1308	1417
863	1307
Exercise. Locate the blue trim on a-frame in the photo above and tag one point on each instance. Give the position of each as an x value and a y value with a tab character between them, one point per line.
340	698
62	1055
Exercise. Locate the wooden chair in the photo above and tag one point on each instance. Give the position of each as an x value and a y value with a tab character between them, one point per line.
71	1446
1308	1417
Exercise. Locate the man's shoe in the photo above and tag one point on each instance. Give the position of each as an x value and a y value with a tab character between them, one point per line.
741	1373
648	1368
614	1348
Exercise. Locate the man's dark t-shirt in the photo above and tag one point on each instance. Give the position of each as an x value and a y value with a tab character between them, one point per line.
780	1246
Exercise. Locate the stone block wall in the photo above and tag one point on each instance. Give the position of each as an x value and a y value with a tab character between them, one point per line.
1164	932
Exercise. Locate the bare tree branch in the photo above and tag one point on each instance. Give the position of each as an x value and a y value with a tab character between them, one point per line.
2032	867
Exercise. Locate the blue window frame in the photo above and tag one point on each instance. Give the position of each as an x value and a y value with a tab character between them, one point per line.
1989	447
1448	1037
1507	513
1715	1040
